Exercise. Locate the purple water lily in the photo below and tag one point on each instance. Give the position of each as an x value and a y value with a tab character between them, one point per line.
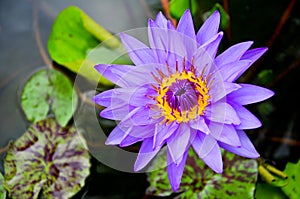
180	94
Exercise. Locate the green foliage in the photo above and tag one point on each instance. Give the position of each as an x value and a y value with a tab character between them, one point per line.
177	7
47	159
237	180
266	191
45	89
2	190
292	188
225	19
265	76
74	34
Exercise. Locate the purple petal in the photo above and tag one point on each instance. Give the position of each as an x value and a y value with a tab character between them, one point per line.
203	144
209	28
246	149
232	54
175	171
199	124
163	132
117	135
138	52
116	112
177	144
220	89
141	96
205	54
249	94
158	40
146	154
161	20
138	116
113	97
223	113
232	71
186	25
214	159
254	54
106	71
225	133
129	140
248	120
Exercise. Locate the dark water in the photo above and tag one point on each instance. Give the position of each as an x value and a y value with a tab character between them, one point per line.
278	140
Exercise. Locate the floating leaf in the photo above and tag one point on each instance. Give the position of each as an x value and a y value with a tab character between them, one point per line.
74	34
198	181
47	159
45	89
177	7
292	189
266	191
2	190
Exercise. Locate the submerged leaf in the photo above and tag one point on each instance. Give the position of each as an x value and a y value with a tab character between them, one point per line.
47	159
45	89
198	181
74	34
2	190
292	188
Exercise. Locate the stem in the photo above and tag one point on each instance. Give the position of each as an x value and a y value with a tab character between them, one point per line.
99	32
250	75
166	6
285	72
228	29
37	36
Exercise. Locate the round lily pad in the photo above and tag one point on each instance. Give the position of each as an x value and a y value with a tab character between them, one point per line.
47	160
2	190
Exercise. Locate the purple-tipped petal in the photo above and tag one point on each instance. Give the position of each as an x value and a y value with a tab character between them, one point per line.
223	113
249	94
203	144
199	124
175	171
214	159
138	52
117	135
129	140
138	116
232	71
222	89
136	134
106	71
254	54
225	133
158	40
209	28
179	141
232	54
163	132
248	120
246	149
186	25
116	112
146	154
161	20
141	96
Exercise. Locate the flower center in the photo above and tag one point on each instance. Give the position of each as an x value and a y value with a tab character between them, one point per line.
182	96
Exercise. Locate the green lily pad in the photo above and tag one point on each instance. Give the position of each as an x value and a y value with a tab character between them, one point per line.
2	190
48	160
177	7
292	188
267	191
74	34
198	181
45	89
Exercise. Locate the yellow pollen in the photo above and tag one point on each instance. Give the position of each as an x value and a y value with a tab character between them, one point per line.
170	114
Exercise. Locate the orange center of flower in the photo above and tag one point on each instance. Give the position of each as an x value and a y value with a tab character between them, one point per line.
181	96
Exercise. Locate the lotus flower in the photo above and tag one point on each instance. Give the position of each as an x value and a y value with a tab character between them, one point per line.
179	94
